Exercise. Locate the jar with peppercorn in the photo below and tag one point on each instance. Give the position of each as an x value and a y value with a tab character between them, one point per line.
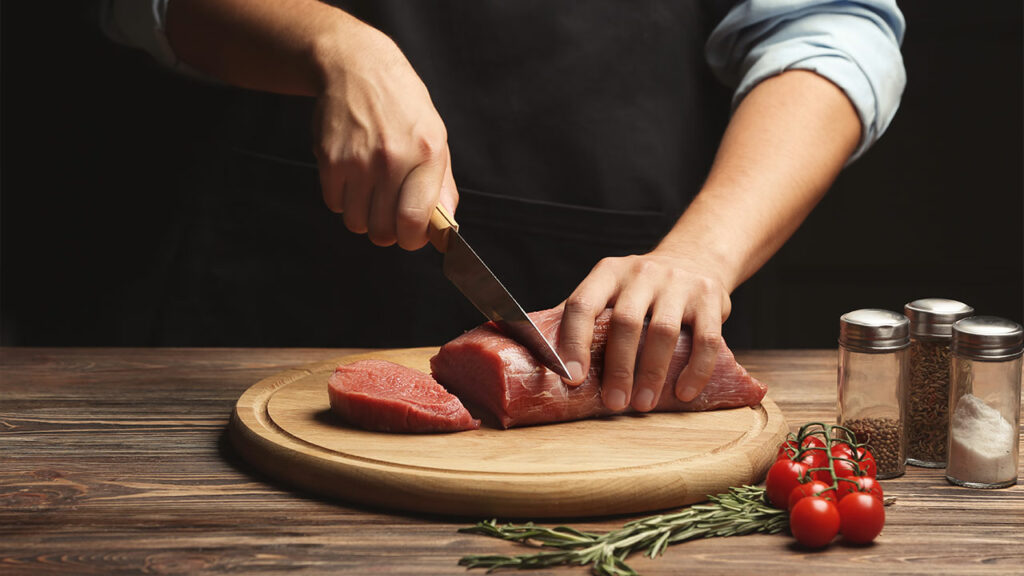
873	370
931	332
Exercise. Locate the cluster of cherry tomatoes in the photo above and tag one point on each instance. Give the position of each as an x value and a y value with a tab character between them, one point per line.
827	482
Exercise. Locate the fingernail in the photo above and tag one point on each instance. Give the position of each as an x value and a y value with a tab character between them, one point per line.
688	393
575	370
615	399
644	399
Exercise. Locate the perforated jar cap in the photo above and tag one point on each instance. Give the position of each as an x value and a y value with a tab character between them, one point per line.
988	338
935	316
874	330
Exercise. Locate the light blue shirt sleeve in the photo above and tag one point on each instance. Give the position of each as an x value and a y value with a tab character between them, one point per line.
853	44
142	24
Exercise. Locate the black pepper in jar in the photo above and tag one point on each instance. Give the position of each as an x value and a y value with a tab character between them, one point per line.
884	438
931	321
873	373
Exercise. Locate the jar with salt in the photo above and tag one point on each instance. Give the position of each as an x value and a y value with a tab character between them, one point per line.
931	331
873	370
984	402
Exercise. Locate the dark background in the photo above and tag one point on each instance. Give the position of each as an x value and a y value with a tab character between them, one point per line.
91	133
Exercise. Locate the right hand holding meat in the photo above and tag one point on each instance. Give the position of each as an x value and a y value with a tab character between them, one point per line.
381	146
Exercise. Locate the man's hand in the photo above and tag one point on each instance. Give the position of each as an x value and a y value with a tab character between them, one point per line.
380	144
671	291
382	147
784	146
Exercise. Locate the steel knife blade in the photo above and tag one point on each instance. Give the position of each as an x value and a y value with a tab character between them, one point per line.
480	286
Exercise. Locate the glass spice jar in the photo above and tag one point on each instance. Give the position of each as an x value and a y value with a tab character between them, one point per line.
984	402
873	370
931	331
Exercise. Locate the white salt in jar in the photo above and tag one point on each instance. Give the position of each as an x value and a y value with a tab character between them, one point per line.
984	402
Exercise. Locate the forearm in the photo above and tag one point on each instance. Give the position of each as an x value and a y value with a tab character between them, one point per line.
784	146
279	46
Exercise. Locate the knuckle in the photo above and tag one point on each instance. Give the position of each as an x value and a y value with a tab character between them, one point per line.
709	341
605	264
653	375
663	329
627	318
618	374
706	286
677	275
644	267
412	217
579	304
430	146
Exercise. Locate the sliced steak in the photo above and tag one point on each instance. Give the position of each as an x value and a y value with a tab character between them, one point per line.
388	397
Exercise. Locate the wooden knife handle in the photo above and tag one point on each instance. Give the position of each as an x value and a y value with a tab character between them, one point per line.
440	222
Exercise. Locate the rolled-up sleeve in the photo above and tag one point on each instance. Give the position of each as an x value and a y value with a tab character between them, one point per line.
855	45
142	24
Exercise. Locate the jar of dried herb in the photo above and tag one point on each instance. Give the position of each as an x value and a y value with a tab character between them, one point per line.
984	402
931	332
873	370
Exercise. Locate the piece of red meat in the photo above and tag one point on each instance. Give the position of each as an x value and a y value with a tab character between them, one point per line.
388	397
485	368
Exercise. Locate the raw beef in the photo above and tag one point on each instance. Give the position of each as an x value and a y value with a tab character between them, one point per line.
485	368
389	397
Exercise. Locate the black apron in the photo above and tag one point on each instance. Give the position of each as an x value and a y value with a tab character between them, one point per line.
577	131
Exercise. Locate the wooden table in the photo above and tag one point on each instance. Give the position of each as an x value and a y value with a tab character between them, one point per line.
114	461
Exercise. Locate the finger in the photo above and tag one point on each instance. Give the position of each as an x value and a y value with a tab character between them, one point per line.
706	341
658	346
624	330
332	186
390	171
576	331
356	200
420	192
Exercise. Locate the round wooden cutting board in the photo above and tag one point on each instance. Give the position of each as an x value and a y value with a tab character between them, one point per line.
283	425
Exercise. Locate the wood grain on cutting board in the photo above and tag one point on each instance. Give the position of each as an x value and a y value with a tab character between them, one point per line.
622	464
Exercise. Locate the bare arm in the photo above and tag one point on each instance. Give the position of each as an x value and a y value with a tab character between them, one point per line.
785	144
380	144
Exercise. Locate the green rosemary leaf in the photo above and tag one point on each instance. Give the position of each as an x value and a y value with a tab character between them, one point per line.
740	511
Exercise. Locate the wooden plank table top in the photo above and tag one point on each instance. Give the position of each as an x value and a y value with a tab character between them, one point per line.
114	461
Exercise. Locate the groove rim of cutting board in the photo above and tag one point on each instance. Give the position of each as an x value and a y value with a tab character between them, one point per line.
567	493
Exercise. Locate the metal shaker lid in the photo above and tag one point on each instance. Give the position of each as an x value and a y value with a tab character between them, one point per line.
935	316
988	338
874	330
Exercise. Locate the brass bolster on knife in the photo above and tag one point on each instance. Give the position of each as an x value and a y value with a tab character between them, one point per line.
440	222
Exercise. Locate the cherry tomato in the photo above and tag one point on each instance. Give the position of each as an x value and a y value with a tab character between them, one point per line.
783	476
848	465
860	484
861	517
813	488
814	521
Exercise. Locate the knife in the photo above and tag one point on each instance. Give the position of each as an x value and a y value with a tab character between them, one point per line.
477	283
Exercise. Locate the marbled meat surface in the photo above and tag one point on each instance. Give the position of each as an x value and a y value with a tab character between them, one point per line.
485	368
388	397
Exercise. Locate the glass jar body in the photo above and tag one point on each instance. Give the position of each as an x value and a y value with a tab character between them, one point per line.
984	417
871	403
928	401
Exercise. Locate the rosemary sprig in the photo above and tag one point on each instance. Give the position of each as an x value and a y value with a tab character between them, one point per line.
742	510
